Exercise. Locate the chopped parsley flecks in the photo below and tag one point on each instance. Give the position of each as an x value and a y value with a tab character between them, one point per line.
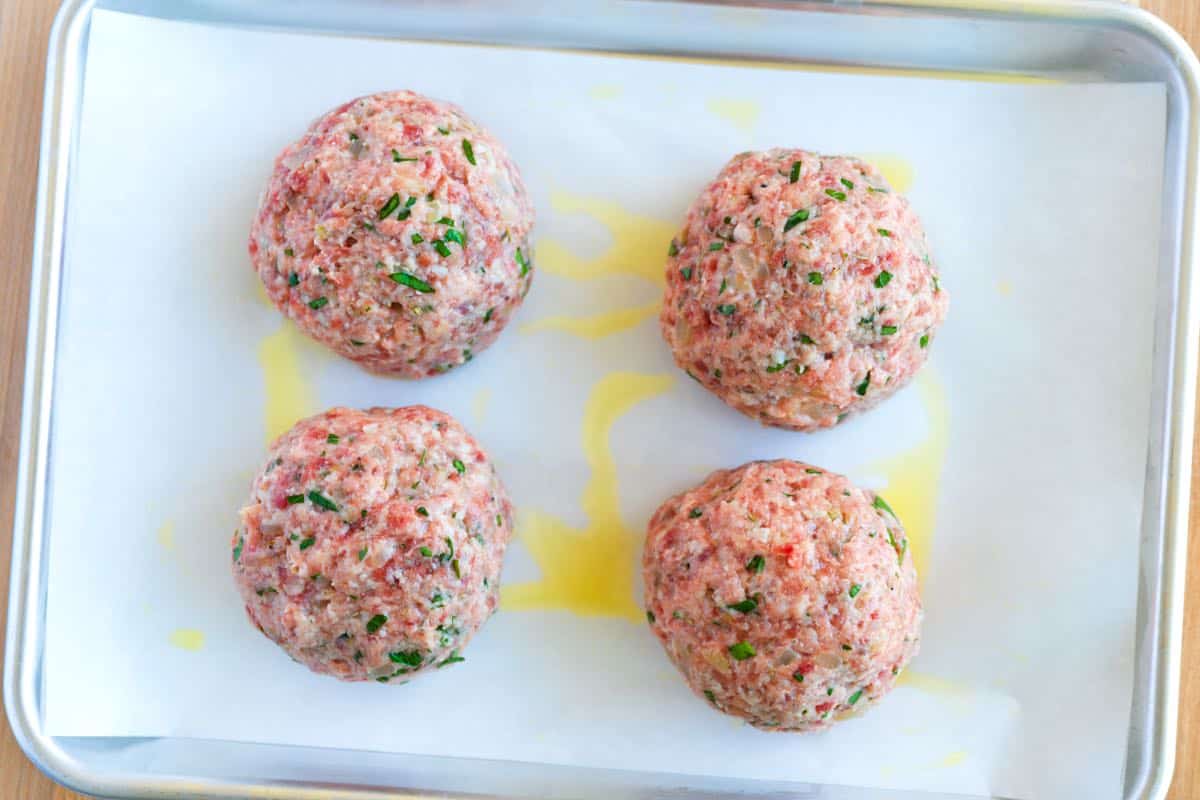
649	616
888	330
454	566
724	286
307	543
425	551
237	550
742	650
423	511
417	238
455	236
453	658
794	175
756	564
673	249
391	205
295	499
459	466
289	252
443	131
686	272
522	263
411	281
884	232
883	279
411	658
333	438
798	676
441	248
813	471
318	499
362	554
487	317
318	303
861	389
795	219
726	309
444	221
855	589
847	183
376	622
716	246
293	279
469	151
806	339
882	505
357	343
836	194
779	366
744	606
847	647
695	513
924	340
712	698
937	286
852	699
816	278
400	159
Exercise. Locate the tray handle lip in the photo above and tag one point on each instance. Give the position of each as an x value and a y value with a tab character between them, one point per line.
20	685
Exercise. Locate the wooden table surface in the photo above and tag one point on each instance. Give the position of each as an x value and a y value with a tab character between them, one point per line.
24	30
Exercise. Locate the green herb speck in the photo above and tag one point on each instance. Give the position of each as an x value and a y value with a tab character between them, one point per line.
883	279
888	330
425	551
469	151
412	281
836	195
237	550
673	249
362	554
424	512
756	564
795	173
391	205
861	389
924	340
399	158
459	466
376	622
744	606
816	278
332	438
795	219
411	658
318	499
847	183
852	699
686	272
294	499
741	651
855	589
696	513
649	616
726	309
882	505
318	303
716	246
522	263
307	543
884	232
417	238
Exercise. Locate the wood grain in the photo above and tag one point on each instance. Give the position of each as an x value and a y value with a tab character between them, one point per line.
24	31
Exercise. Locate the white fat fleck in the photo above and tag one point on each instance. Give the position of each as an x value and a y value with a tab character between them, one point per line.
778	356
743	233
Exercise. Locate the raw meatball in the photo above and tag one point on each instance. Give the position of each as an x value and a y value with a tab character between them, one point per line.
396	232
800	289
785	595
372	543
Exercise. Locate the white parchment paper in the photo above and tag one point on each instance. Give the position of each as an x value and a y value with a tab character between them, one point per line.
1041	203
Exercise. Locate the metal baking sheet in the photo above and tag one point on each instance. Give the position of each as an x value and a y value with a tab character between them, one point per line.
139	766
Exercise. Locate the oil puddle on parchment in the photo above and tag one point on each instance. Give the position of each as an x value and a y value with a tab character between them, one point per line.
479	405
898	171
605	91
638	249
289	392
187	639
166	535
742	114
913	476
590	570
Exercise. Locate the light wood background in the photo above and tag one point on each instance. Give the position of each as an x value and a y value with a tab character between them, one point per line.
24	31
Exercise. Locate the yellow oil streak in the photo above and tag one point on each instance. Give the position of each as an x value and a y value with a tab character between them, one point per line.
951	760
639	244
596	326
187	639
1004	287
589	570
913	477
166	535
289	393
605	91
898	171
479	405
742	114
932	684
